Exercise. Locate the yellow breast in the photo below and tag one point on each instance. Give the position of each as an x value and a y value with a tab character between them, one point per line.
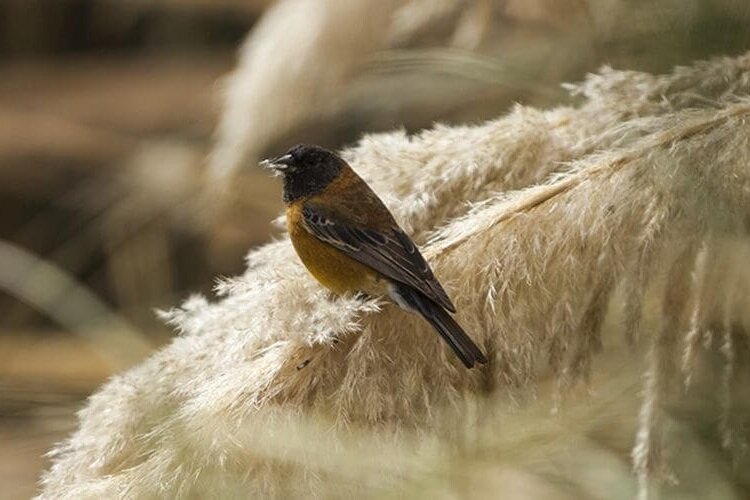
333	269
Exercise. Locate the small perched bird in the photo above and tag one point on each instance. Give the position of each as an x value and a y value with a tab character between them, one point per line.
350	242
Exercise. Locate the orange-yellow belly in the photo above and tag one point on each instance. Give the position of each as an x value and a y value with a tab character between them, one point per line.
333	269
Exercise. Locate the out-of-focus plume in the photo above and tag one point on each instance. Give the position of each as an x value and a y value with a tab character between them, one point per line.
57	294
292	66
362	64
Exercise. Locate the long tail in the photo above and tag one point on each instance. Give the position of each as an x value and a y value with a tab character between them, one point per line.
414	300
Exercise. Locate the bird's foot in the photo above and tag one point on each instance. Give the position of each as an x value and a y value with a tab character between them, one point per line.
363	296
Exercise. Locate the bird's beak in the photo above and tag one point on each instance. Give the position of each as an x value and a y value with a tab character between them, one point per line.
277	165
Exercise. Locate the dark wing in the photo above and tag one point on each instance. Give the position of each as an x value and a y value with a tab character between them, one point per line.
389	252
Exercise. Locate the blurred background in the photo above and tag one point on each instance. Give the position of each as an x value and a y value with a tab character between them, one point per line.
130	132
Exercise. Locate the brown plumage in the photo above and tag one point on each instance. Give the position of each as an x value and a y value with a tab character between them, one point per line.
350	242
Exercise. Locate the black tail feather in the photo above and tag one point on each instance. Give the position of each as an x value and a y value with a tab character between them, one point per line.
442	321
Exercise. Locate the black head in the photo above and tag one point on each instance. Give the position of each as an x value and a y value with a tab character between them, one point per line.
306	170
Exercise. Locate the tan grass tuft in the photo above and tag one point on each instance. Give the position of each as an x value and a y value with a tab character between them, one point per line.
535	222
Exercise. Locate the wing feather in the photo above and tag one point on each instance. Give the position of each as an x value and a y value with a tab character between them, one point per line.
390	252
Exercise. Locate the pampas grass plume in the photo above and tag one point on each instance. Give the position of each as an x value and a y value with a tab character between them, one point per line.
546	227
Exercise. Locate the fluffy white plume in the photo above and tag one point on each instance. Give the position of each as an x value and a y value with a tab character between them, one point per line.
537	223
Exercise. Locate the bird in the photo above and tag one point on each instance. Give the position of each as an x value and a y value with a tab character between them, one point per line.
350	242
